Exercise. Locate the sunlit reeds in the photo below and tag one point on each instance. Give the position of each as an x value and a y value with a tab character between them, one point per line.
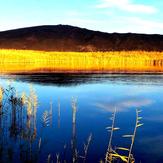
47	116
74	109
59	113
86	147
16	122
113	155
137	124
111	129
1	94
28	61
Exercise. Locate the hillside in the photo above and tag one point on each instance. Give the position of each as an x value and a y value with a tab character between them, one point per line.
69	38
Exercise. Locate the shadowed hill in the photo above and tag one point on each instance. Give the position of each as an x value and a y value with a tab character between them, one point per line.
69	38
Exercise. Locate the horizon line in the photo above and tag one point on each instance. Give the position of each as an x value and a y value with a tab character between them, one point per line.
43	25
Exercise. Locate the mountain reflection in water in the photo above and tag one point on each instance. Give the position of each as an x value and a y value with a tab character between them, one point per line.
71	79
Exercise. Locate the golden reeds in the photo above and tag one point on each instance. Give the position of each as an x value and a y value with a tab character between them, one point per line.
16	61
112	154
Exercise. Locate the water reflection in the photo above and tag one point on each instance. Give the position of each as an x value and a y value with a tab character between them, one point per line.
43	123
71	79
123	104
17	124
19	140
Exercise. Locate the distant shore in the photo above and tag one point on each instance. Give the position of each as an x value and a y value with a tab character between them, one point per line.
28	61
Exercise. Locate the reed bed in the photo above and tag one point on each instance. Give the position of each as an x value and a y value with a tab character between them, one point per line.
28	61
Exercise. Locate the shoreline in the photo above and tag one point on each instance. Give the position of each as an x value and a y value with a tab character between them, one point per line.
124	62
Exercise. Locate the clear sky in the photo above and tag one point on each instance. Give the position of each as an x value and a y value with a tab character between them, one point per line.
138	16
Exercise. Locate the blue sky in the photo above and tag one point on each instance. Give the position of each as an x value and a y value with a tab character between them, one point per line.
138	16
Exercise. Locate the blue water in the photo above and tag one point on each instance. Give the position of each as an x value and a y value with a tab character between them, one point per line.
97	97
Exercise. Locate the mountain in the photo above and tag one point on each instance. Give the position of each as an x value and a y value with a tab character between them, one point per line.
69	38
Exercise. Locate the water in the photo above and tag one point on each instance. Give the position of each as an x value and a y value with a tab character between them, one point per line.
97	96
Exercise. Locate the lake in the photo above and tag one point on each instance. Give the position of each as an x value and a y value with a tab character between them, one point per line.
73	109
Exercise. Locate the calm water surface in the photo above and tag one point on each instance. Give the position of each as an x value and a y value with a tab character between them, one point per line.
97	96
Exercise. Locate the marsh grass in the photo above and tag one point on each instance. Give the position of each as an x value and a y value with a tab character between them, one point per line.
17	124
59	113
75	155
18	114
108	156
113	155
86	147
25	61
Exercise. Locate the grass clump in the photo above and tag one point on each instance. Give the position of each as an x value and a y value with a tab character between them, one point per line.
113	154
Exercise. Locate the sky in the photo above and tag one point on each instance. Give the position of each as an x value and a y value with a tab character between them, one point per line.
136	16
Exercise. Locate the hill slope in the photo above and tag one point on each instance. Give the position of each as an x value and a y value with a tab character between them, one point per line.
69	38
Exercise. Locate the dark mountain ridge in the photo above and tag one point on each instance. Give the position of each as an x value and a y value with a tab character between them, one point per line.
69	38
